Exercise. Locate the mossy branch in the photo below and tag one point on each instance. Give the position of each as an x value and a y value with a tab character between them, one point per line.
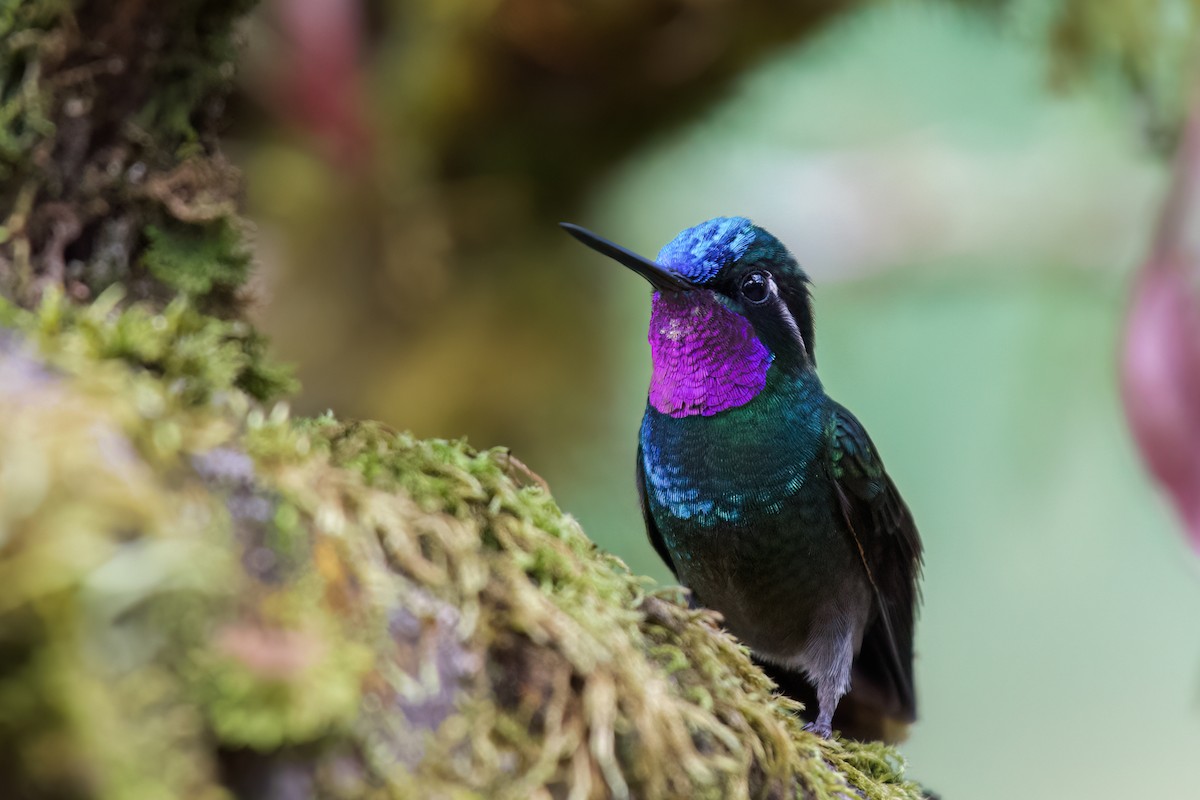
199	595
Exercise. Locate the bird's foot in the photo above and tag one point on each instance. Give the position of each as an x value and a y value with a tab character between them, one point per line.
821	729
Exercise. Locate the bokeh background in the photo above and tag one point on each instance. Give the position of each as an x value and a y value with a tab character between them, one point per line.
971	222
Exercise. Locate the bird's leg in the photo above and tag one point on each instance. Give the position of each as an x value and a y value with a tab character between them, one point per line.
829	670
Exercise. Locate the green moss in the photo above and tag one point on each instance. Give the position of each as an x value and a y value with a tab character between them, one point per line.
24	110
196	259
266	708
154	168
200	63
261	376
194	356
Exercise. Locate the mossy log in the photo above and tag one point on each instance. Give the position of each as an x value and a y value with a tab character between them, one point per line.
200	596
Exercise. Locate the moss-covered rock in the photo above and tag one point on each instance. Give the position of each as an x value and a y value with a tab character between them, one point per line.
200	596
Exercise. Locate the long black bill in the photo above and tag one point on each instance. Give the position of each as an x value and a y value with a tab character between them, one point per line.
659	276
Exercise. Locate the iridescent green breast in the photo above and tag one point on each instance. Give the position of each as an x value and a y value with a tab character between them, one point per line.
742	463
746	508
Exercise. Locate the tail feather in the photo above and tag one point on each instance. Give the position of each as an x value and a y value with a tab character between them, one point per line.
881	677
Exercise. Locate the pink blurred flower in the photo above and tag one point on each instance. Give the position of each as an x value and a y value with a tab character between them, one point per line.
319	85
1160	368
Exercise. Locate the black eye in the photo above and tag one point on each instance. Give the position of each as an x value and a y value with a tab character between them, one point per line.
756	287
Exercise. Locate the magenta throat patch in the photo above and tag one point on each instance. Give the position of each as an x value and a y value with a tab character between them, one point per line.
706	358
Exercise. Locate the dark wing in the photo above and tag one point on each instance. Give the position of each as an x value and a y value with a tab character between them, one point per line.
652	531
887	541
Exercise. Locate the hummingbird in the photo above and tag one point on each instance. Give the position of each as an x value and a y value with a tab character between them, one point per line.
764	496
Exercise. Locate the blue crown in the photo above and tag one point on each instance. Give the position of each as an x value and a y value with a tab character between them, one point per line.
701	252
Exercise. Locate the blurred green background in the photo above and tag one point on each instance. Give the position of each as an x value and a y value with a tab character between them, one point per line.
971	235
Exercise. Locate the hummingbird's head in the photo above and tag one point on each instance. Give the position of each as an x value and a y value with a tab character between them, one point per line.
730	303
